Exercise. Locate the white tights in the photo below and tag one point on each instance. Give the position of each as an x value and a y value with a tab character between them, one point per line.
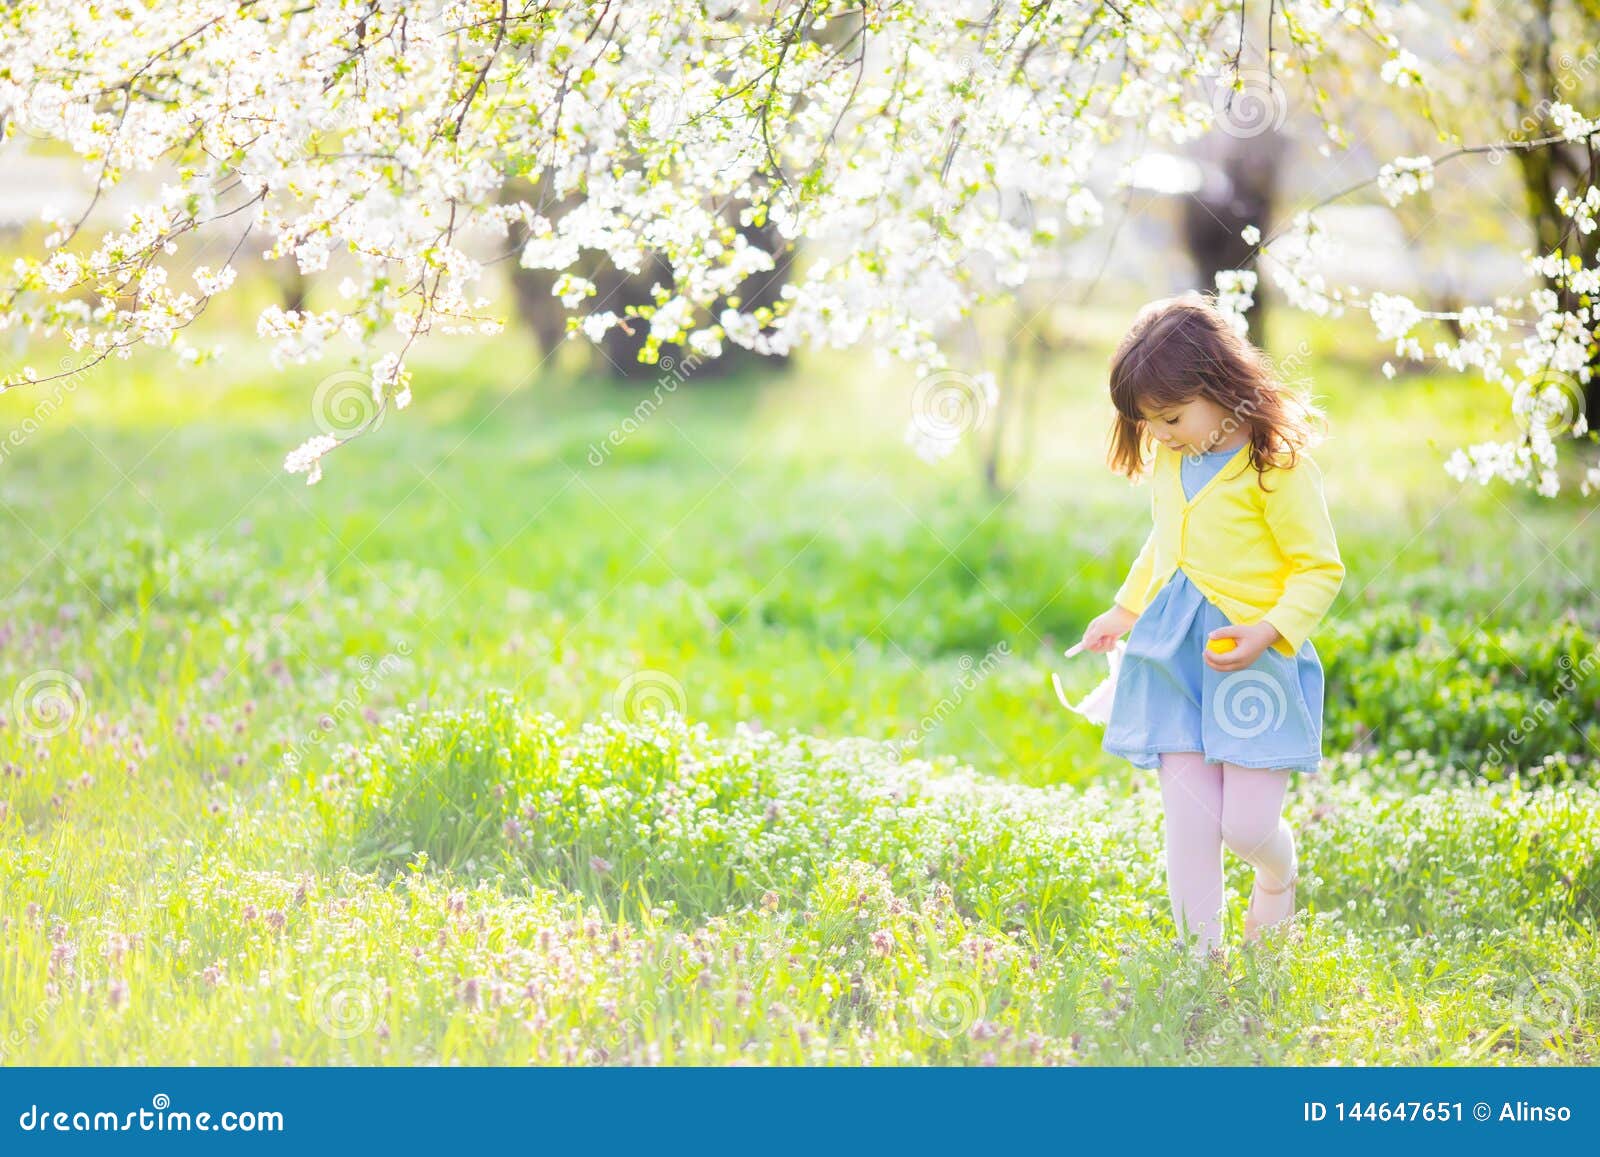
1208	805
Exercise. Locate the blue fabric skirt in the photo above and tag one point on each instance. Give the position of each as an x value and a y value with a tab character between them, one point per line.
1167	699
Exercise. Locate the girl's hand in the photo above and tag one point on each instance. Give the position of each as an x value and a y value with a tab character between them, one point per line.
1102	633
1250	641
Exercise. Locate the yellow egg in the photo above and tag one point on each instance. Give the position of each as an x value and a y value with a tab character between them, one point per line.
1222	645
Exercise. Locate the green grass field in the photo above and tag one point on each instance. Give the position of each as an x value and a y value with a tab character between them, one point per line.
373	771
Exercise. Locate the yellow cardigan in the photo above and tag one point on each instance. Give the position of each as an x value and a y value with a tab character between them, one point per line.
1255	555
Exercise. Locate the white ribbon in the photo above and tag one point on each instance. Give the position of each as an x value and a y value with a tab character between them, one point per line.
1096	705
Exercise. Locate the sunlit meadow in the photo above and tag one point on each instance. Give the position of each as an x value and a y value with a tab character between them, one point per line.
741	744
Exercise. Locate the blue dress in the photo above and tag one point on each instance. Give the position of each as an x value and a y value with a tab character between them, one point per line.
1167	699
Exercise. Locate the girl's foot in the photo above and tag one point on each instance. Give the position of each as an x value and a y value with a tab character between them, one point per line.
1253	926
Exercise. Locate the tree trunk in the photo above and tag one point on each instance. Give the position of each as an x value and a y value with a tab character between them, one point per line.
616	290
1545	171
292	286
619	290
1241	188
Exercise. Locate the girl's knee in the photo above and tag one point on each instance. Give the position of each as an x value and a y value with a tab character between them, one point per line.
1247	835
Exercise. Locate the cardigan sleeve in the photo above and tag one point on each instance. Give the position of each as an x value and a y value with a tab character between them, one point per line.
1131	595
1297	515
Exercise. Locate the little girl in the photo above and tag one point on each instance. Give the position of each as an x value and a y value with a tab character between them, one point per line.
1219	687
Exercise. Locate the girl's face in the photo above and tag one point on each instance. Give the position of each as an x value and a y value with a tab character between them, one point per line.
1196	426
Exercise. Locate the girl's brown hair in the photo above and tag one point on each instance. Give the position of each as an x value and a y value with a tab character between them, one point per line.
1182	347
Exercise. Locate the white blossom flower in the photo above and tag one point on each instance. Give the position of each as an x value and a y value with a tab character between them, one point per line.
1394	315
211	283
595	325
572	289
1405	177
1572	124
623	140
307	457
1402	70
1235	295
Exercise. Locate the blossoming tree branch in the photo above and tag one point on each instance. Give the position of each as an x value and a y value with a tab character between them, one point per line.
920	157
